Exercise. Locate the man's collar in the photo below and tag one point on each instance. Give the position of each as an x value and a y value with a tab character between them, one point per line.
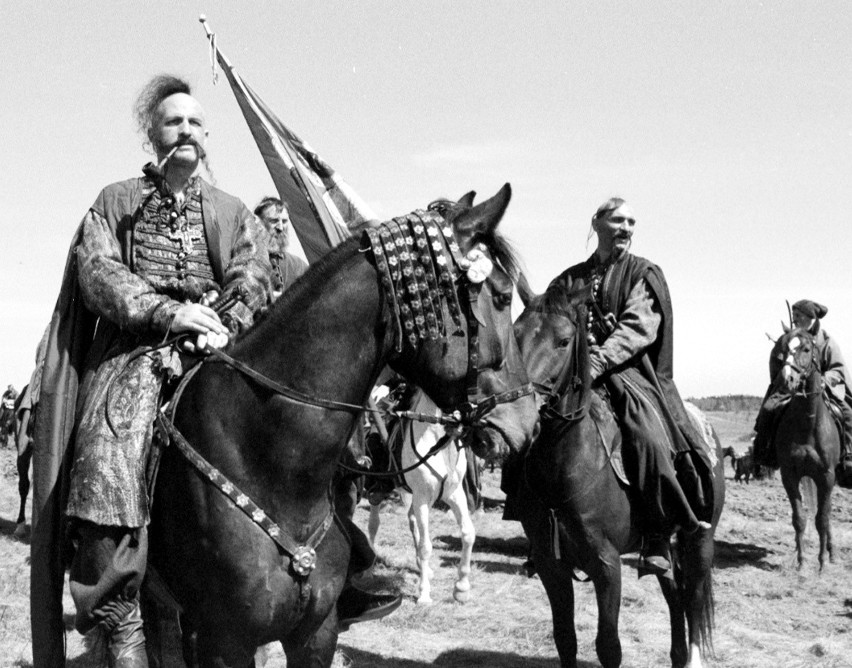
157	177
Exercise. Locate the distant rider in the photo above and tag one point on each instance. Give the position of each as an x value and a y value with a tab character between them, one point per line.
807	315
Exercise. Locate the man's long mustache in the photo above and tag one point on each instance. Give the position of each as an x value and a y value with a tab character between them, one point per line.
202	154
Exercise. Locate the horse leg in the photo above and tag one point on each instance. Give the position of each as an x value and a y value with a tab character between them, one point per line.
188	642
319	650
791	485
418	522
679	652
556	578
458	504
607	582
823	522
373	524
23	463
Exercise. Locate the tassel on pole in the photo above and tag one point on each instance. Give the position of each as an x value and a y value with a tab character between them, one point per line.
211	36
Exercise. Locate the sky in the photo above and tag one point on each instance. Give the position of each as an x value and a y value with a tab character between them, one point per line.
726	125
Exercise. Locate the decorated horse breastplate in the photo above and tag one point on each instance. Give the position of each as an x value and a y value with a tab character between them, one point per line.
169	244
415	256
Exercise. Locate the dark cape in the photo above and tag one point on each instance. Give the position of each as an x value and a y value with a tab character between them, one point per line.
654	365
74	334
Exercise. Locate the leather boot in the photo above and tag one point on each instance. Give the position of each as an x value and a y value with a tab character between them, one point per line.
843	472
358	605
126	642
657	556
115	588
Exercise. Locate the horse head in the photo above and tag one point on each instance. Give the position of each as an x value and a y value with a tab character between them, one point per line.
555	354
797	348
478	366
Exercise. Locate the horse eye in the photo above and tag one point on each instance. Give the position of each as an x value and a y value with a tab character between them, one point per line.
563	343
502	299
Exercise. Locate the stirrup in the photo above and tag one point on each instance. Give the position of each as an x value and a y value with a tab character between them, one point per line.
656	556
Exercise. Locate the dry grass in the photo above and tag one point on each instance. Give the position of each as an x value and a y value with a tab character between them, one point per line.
767	614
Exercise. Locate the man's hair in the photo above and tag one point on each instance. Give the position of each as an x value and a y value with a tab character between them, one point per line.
608	207
150	97
269	202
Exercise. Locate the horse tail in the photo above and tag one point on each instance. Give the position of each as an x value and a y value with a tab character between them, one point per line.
695	584
707	615
807	487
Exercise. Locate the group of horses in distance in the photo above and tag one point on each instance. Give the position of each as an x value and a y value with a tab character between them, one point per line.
271	418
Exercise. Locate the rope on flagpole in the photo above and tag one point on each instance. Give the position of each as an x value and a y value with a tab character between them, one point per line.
202	18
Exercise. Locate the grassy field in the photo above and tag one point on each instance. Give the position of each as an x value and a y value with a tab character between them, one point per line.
768	615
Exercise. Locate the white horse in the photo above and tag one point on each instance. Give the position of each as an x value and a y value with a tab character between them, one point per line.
439	477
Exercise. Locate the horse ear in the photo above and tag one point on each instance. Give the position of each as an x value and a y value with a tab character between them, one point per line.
786	327
482	218
525	291
466	200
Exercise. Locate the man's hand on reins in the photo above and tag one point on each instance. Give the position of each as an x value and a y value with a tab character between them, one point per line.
205	322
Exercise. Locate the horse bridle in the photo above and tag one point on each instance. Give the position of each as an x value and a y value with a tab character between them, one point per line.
468	414
804	372
303	556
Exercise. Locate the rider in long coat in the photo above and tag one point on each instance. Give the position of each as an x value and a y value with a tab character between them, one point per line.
630	334
149	256
807	315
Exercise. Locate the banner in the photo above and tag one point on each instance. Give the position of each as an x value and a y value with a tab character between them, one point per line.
324	209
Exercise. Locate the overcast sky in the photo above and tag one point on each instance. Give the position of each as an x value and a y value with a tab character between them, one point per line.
726	125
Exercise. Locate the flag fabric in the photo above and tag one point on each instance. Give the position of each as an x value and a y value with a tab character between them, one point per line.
324	209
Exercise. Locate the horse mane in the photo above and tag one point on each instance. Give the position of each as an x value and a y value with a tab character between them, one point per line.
325	266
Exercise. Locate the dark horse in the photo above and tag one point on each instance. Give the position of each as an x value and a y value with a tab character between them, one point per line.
325	341
25	419
807	440
577	513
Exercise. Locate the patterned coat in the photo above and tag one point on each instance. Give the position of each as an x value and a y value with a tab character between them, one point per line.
108	306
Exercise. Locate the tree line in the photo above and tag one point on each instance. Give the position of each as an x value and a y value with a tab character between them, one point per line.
728	403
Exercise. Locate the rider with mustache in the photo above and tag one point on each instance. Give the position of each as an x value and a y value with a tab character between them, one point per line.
148	262
629	328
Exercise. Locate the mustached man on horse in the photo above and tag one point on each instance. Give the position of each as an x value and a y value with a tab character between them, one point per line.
159	255
806	315
629	330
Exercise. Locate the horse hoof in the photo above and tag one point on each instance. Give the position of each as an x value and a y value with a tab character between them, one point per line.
461	595
424	600
20	530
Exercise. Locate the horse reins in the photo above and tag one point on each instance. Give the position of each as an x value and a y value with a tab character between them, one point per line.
303	556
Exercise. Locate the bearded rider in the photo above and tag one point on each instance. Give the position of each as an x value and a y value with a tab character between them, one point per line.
629	328
286	267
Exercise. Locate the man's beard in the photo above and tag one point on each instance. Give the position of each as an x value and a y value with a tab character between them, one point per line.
278	243
619	252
